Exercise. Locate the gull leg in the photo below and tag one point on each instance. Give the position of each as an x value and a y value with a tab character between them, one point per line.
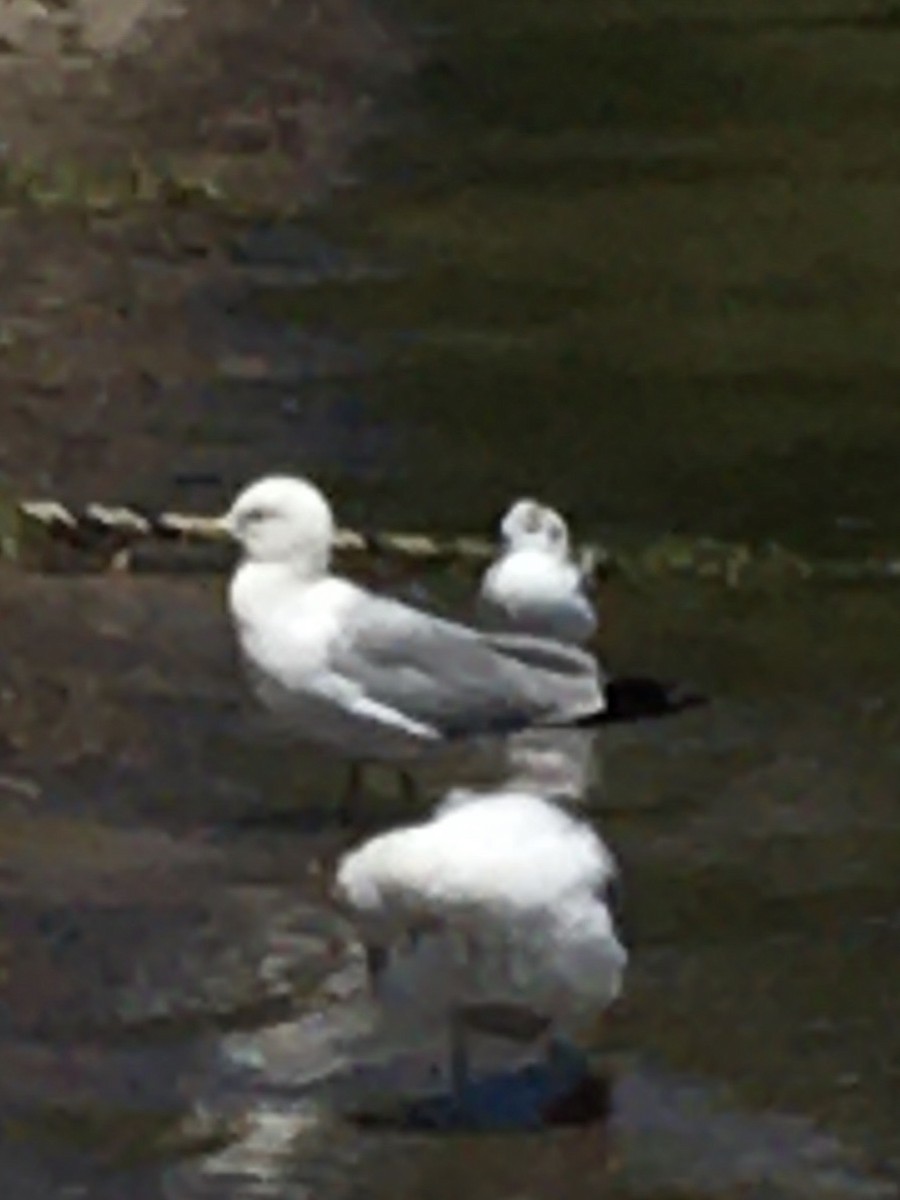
350	794
560	1052
376	961
566	1063
408	790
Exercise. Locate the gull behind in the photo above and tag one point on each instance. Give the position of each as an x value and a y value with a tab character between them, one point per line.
534	586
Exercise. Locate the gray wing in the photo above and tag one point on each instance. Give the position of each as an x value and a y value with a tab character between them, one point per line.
457	681
547	654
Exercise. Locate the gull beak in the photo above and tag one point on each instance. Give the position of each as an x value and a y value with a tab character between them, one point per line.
533	518
197	528
225	525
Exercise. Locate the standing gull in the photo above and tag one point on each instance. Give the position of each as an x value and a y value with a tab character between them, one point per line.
491	917
368	677
534	586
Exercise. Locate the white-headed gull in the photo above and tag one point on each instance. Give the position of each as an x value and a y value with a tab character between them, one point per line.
533	585
492	916
369	677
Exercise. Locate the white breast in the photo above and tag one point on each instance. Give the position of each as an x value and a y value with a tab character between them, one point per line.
286	628
534	592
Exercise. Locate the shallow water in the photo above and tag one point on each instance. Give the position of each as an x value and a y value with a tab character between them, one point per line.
678	219
640	262
182	1016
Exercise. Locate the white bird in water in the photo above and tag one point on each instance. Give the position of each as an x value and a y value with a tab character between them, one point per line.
369	677
492	916
534	585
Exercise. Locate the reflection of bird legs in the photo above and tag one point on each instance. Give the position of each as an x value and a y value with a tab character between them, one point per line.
563	1056
376	961
509	1021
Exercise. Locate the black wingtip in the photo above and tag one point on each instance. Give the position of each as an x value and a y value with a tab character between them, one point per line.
641	698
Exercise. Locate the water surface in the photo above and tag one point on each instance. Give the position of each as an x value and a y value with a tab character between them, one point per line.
641	261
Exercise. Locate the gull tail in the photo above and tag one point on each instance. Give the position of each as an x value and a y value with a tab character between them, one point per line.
641	698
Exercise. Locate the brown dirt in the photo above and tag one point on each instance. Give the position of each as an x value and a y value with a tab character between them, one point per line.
85	665
116	312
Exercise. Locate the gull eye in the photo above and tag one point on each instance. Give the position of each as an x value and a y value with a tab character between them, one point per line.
254	515
531	522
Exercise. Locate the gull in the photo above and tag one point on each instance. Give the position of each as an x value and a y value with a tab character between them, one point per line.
533	585
368	677
493	916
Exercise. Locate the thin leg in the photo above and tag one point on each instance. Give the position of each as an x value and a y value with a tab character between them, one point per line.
564	1058
376	961
350	794
408	790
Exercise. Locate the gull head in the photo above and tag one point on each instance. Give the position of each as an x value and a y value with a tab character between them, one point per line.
281	519
534	526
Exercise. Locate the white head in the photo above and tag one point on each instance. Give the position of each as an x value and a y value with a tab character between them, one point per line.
531	525
281	519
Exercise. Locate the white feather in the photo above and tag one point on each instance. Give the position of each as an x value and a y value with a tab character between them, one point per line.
534	585
368	676
499	899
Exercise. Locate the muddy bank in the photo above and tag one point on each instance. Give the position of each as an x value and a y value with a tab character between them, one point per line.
106	79
140	142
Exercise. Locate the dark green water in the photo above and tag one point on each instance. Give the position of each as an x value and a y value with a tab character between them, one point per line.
655	243
641	259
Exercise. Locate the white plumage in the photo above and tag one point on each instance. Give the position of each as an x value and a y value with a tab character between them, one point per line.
533	585
492	916
367	676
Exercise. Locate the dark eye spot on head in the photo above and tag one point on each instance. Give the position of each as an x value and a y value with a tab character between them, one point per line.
252	515
532	520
